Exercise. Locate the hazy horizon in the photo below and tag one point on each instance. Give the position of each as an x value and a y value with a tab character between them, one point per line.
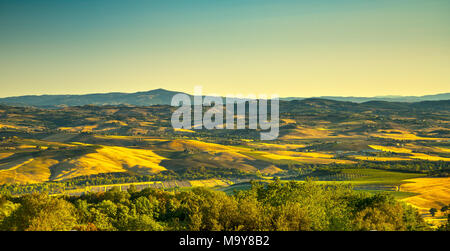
209	93
291	48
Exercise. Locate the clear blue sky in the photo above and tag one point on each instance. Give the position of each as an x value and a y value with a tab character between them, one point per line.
292	48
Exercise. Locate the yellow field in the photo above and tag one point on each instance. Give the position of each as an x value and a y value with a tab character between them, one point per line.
442	149
433	193
401	135
29	171
78	128
428	157
127	138
208	146
304	154
92	119
146	123
42	143
107	159
391	149
413	155
28	147
18	127
276	146
288	121
5	155
307	157
304	133
180	145
207	183
360	122
231	156
375	158
111	159
8	126
12	165
116	122
271	170
114	137
183	130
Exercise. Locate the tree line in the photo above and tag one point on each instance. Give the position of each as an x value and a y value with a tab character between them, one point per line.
276	206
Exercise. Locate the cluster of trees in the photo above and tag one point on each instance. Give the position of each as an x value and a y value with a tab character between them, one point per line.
444	210
275	206
297	171
431	168
46	187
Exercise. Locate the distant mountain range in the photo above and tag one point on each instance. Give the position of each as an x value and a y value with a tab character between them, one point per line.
153	97
164	97
435	97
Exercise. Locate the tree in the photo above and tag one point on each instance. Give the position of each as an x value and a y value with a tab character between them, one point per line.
204	209
6	208
40	212
116	196
267	206
143	223
379	212
145	206
433	211
132	189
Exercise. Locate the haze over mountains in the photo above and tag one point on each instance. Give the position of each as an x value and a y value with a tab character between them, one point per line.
164	97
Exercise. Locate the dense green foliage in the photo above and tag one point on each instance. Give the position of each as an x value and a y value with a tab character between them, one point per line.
274	206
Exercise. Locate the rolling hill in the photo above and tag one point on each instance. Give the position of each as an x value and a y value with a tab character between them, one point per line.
153	97
164	97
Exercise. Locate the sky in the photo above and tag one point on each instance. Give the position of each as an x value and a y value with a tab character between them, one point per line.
290	48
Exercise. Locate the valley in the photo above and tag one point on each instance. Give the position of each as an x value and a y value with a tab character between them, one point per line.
372	146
